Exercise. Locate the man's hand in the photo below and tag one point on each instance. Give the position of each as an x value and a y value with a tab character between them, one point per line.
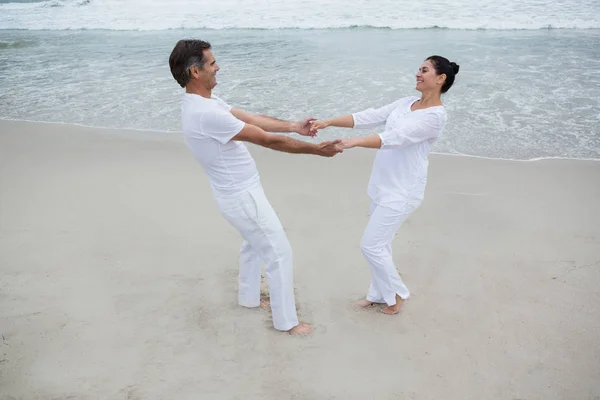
330	148
305	128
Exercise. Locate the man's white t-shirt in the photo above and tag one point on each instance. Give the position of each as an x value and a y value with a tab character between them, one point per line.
399	173
208	127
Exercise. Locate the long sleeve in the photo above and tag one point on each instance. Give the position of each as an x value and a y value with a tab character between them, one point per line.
427	126
372	117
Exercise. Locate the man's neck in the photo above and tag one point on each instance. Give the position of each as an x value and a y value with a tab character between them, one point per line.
199	90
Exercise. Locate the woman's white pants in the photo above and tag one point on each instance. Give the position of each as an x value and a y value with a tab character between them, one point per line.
376	246
264	240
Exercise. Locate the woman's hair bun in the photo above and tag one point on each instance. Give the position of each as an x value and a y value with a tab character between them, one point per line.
455	67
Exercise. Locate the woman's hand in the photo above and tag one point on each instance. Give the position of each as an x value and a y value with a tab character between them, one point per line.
319	124
347	144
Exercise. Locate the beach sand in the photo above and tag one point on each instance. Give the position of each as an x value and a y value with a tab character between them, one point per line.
118	277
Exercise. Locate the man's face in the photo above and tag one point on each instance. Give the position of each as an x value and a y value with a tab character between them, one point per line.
207	75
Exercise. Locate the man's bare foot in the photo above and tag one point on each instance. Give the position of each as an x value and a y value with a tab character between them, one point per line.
265	304
395	309
364	303
301	329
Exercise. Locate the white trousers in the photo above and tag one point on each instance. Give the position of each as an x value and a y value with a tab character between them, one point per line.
264	240
376	246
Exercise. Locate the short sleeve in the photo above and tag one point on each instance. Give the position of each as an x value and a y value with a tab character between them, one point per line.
223	103
425	128
220	125
372	117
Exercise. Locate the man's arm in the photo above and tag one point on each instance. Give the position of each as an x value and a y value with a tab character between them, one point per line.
253	134
270	124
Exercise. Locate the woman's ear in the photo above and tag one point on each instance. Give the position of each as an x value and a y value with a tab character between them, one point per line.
441	79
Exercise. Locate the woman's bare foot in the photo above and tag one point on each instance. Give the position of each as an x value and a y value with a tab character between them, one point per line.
301	329
265	304
395	309
364	303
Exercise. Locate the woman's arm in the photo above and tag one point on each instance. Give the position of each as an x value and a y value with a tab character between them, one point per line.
369	142
369	118
347	121
426	128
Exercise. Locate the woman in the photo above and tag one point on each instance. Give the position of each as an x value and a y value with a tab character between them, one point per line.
399	174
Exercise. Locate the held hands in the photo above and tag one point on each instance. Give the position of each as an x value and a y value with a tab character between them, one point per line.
330	148
310	127
316	125
305	127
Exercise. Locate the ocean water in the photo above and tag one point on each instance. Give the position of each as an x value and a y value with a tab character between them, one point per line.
528	86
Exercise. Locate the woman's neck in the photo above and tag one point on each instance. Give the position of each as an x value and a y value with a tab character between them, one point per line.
430	99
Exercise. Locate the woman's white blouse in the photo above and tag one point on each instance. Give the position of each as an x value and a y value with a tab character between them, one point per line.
399	174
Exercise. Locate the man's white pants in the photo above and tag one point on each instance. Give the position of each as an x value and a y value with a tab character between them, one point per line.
376	246
264	240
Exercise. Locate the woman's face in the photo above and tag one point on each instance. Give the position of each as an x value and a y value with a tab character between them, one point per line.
427	80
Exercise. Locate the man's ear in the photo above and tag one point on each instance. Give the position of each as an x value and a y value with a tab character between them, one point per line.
194	71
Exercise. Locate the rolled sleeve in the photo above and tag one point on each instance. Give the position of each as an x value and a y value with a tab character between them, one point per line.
372	117
425	128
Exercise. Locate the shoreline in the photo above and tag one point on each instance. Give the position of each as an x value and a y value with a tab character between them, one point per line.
179	133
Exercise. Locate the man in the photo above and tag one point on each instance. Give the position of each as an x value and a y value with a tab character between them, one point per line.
215	132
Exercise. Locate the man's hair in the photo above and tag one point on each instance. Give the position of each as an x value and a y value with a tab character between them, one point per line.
185	55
